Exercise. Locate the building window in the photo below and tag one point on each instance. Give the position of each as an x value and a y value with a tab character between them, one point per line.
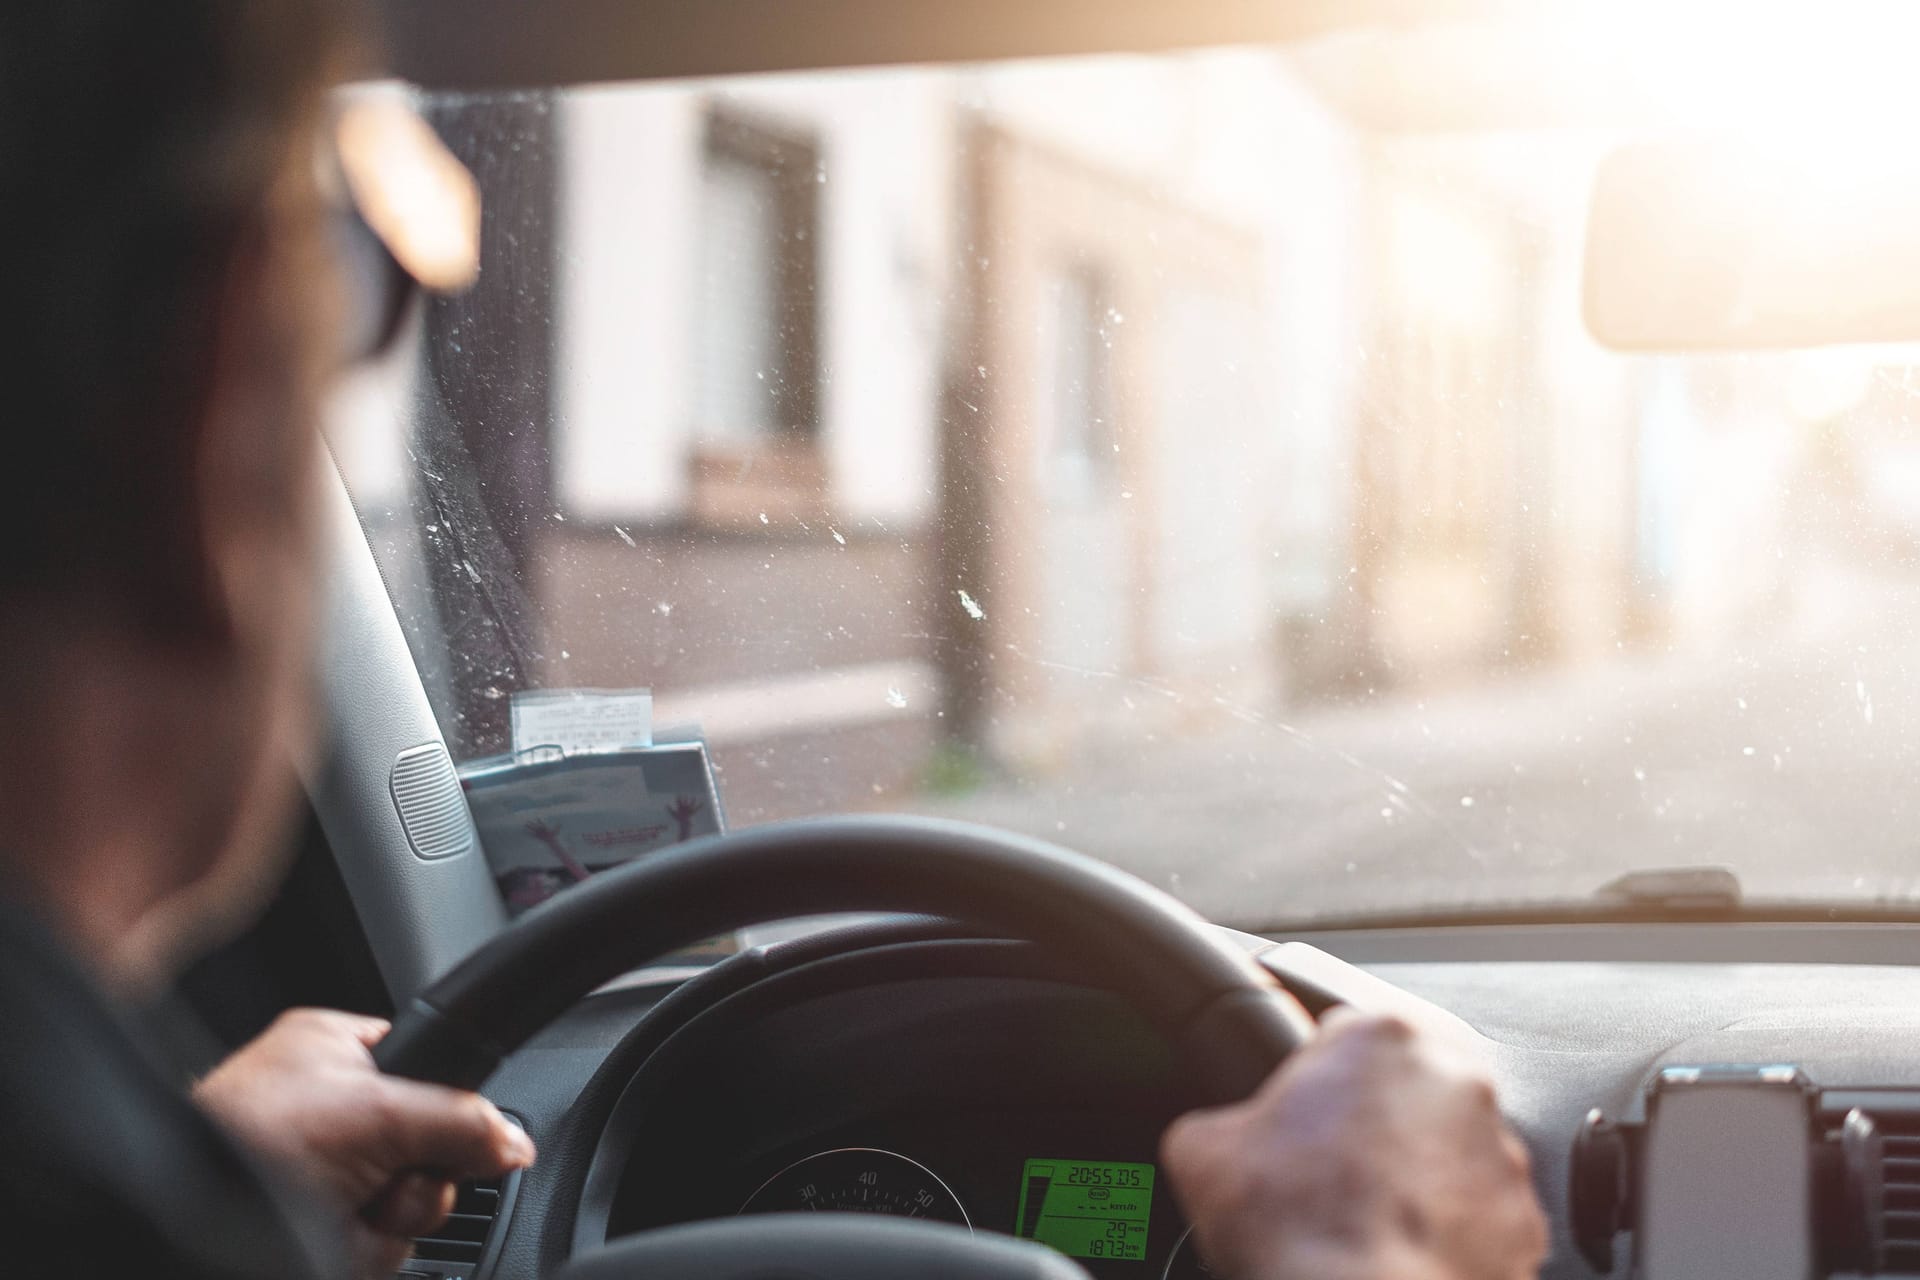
756	346
1076	396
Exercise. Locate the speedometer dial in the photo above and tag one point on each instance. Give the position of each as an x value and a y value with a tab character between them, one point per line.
859	1180
1186	1264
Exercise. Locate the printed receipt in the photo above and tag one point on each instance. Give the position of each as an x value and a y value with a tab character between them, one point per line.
577	721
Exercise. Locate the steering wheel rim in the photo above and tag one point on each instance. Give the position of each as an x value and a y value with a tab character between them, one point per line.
1208	996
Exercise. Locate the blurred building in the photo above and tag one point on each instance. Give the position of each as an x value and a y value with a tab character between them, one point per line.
966	387
899	419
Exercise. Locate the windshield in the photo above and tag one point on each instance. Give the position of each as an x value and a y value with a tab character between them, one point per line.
1146	454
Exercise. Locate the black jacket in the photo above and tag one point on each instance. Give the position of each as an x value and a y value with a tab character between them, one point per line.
107	1169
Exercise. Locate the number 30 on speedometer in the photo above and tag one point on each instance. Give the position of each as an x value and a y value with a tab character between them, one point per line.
858	1180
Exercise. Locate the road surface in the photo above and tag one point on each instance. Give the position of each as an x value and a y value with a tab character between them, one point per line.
1793	758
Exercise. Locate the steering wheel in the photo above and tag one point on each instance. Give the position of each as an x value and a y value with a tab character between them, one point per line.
1223	1013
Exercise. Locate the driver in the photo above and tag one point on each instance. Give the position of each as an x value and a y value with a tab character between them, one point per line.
169	326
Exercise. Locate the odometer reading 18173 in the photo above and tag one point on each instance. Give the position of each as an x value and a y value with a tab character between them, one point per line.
1087	1208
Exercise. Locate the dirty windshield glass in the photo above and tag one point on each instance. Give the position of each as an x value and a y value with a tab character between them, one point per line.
1149	455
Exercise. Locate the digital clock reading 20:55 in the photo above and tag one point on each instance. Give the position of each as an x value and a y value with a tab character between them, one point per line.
1087	1208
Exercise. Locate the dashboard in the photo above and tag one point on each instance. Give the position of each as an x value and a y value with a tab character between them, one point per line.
973	1083
1092	1190
910	1067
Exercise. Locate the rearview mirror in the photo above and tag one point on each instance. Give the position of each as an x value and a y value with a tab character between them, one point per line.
1701	246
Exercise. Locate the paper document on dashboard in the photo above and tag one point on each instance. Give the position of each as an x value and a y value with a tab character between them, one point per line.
550	824
582	720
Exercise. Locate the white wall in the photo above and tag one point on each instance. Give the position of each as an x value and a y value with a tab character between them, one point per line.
630	171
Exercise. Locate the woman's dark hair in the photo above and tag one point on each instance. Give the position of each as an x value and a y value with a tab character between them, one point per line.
138	140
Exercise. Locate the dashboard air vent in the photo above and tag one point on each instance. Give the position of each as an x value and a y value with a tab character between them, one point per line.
1900	1170
465	1244
1891	1210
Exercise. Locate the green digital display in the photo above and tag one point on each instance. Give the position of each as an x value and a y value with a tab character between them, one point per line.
1087	1208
